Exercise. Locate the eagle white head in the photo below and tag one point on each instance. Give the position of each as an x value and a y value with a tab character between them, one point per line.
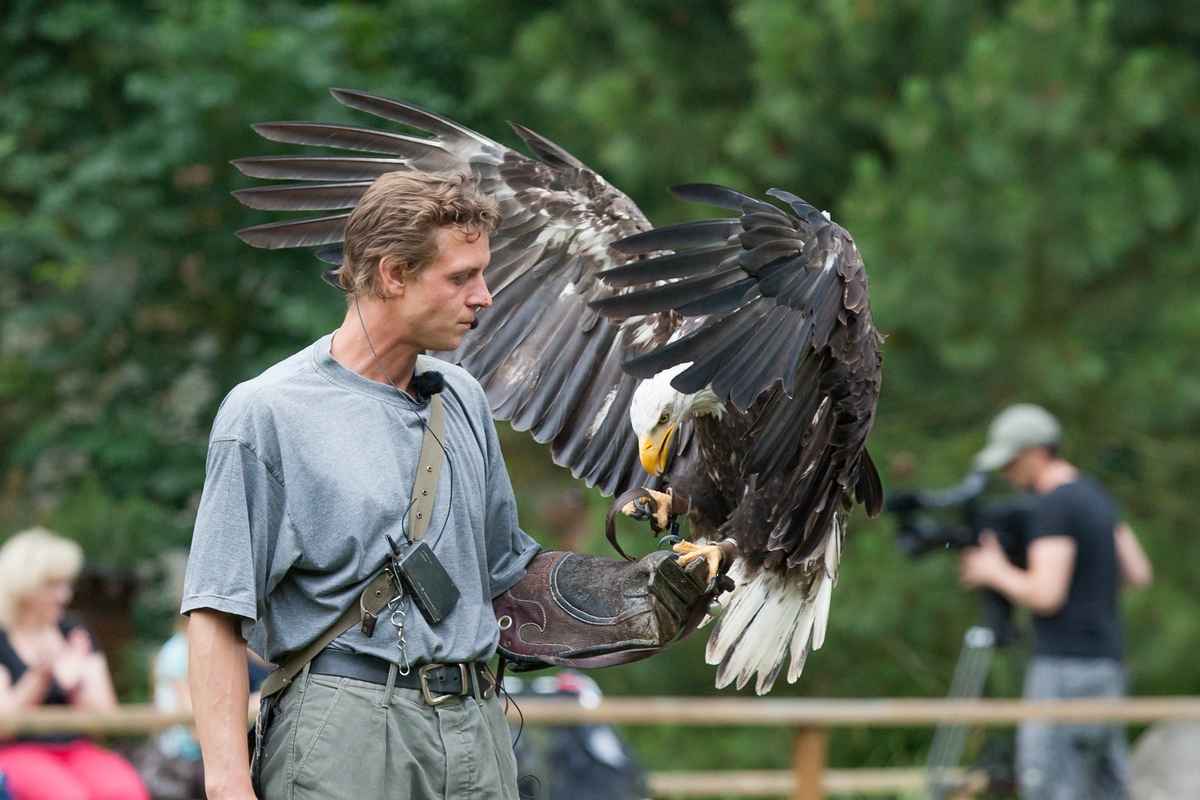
656	410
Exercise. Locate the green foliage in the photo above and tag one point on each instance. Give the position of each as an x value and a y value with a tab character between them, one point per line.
1021	177
1029	235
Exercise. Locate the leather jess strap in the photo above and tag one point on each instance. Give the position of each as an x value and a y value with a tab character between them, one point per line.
679	505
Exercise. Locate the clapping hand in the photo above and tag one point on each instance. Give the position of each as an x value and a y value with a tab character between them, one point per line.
69	665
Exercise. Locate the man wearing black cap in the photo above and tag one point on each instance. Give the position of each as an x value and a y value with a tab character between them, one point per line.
1078	555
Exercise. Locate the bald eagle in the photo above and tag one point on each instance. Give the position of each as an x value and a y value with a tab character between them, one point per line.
732	360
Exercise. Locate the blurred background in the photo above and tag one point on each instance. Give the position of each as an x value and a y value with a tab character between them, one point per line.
1022	179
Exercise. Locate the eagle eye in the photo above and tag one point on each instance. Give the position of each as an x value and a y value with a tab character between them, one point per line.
663	417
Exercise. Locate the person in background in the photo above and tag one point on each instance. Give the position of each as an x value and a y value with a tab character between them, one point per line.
1078	554
573	762
49	658
170	764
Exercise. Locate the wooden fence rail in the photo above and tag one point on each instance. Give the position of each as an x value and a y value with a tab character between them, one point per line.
808	719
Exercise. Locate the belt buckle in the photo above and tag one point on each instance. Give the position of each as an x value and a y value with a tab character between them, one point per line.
423	679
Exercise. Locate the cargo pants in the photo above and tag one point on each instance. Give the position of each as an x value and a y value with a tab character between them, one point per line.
333	738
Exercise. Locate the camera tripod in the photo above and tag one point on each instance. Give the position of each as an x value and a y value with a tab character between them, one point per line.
970	675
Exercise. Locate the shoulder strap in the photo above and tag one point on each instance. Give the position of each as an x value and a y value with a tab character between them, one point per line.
429	469
378	594
381	589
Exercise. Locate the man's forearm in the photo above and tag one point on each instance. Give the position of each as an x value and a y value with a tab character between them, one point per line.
1041	594
220	691
1015	584
1132	562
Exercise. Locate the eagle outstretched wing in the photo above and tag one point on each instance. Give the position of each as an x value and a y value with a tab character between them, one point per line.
549	363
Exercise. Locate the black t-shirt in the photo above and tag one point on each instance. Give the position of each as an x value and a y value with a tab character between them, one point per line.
1087	625
16	667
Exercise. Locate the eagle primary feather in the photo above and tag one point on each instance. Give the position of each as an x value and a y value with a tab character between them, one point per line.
754	330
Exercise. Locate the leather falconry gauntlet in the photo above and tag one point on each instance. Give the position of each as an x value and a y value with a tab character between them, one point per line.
576	610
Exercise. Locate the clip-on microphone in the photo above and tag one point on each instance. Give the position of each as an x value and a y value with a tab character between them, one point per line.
425	385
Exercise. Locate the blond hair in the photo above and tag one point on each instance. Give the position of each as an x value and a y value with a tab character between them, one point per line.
400	215
29	562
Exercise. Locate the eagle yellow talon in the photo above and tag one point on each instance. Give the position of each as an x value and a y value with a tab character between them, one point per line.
662	509
689	552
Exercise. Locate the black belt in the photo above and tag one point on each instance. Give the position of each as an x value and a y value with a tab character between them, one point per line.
437	682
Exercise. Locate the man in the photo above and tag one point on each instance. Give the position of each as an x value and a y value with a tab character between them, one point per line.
310	472
1078	555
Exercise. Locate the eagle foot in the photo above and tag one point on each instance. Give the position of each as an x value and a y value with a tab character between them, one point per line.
714	554
657	508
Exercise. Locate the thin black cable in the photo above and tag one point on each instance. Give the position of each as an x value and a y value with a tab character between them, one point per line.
467	417
508	698
412	406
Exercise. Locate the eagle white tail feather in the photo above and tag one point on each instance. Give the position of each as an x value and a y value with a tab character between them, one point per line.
767	615
821	611
800	641
766	641
825	584
740	607
759	642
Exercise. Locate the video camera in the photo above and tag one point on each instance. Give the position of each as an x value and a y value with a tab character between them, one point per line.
923	526
954	518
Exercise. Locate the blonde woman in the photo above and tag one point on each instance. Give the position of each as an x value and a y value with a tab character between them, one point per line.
48	658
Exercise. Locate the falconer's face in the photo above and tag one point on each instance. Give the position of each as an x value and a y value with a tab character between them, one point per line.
439	303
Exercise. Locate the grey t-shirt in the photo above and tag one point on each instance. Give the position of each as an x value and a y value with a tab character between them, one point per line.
310	467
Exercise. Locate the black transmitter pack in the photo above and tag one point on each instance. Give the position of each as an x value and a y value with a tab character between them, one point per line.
423	576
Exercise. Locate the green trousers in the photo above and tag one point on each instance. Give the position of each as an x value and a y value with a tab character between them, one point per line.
338	738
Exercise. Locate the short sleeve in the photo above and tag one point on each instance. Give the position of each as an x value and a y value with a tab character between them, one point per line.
1050	517
237	525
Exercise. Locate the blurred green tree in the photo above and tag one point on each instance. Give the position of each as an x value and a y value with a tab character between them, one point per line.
1032	228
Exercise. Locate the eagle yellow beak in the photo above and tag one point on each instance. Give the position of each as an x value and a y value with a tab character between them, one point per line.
654	452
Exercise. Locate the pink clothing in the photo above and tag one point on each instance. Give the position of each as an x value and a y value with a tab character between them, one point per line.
77	770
